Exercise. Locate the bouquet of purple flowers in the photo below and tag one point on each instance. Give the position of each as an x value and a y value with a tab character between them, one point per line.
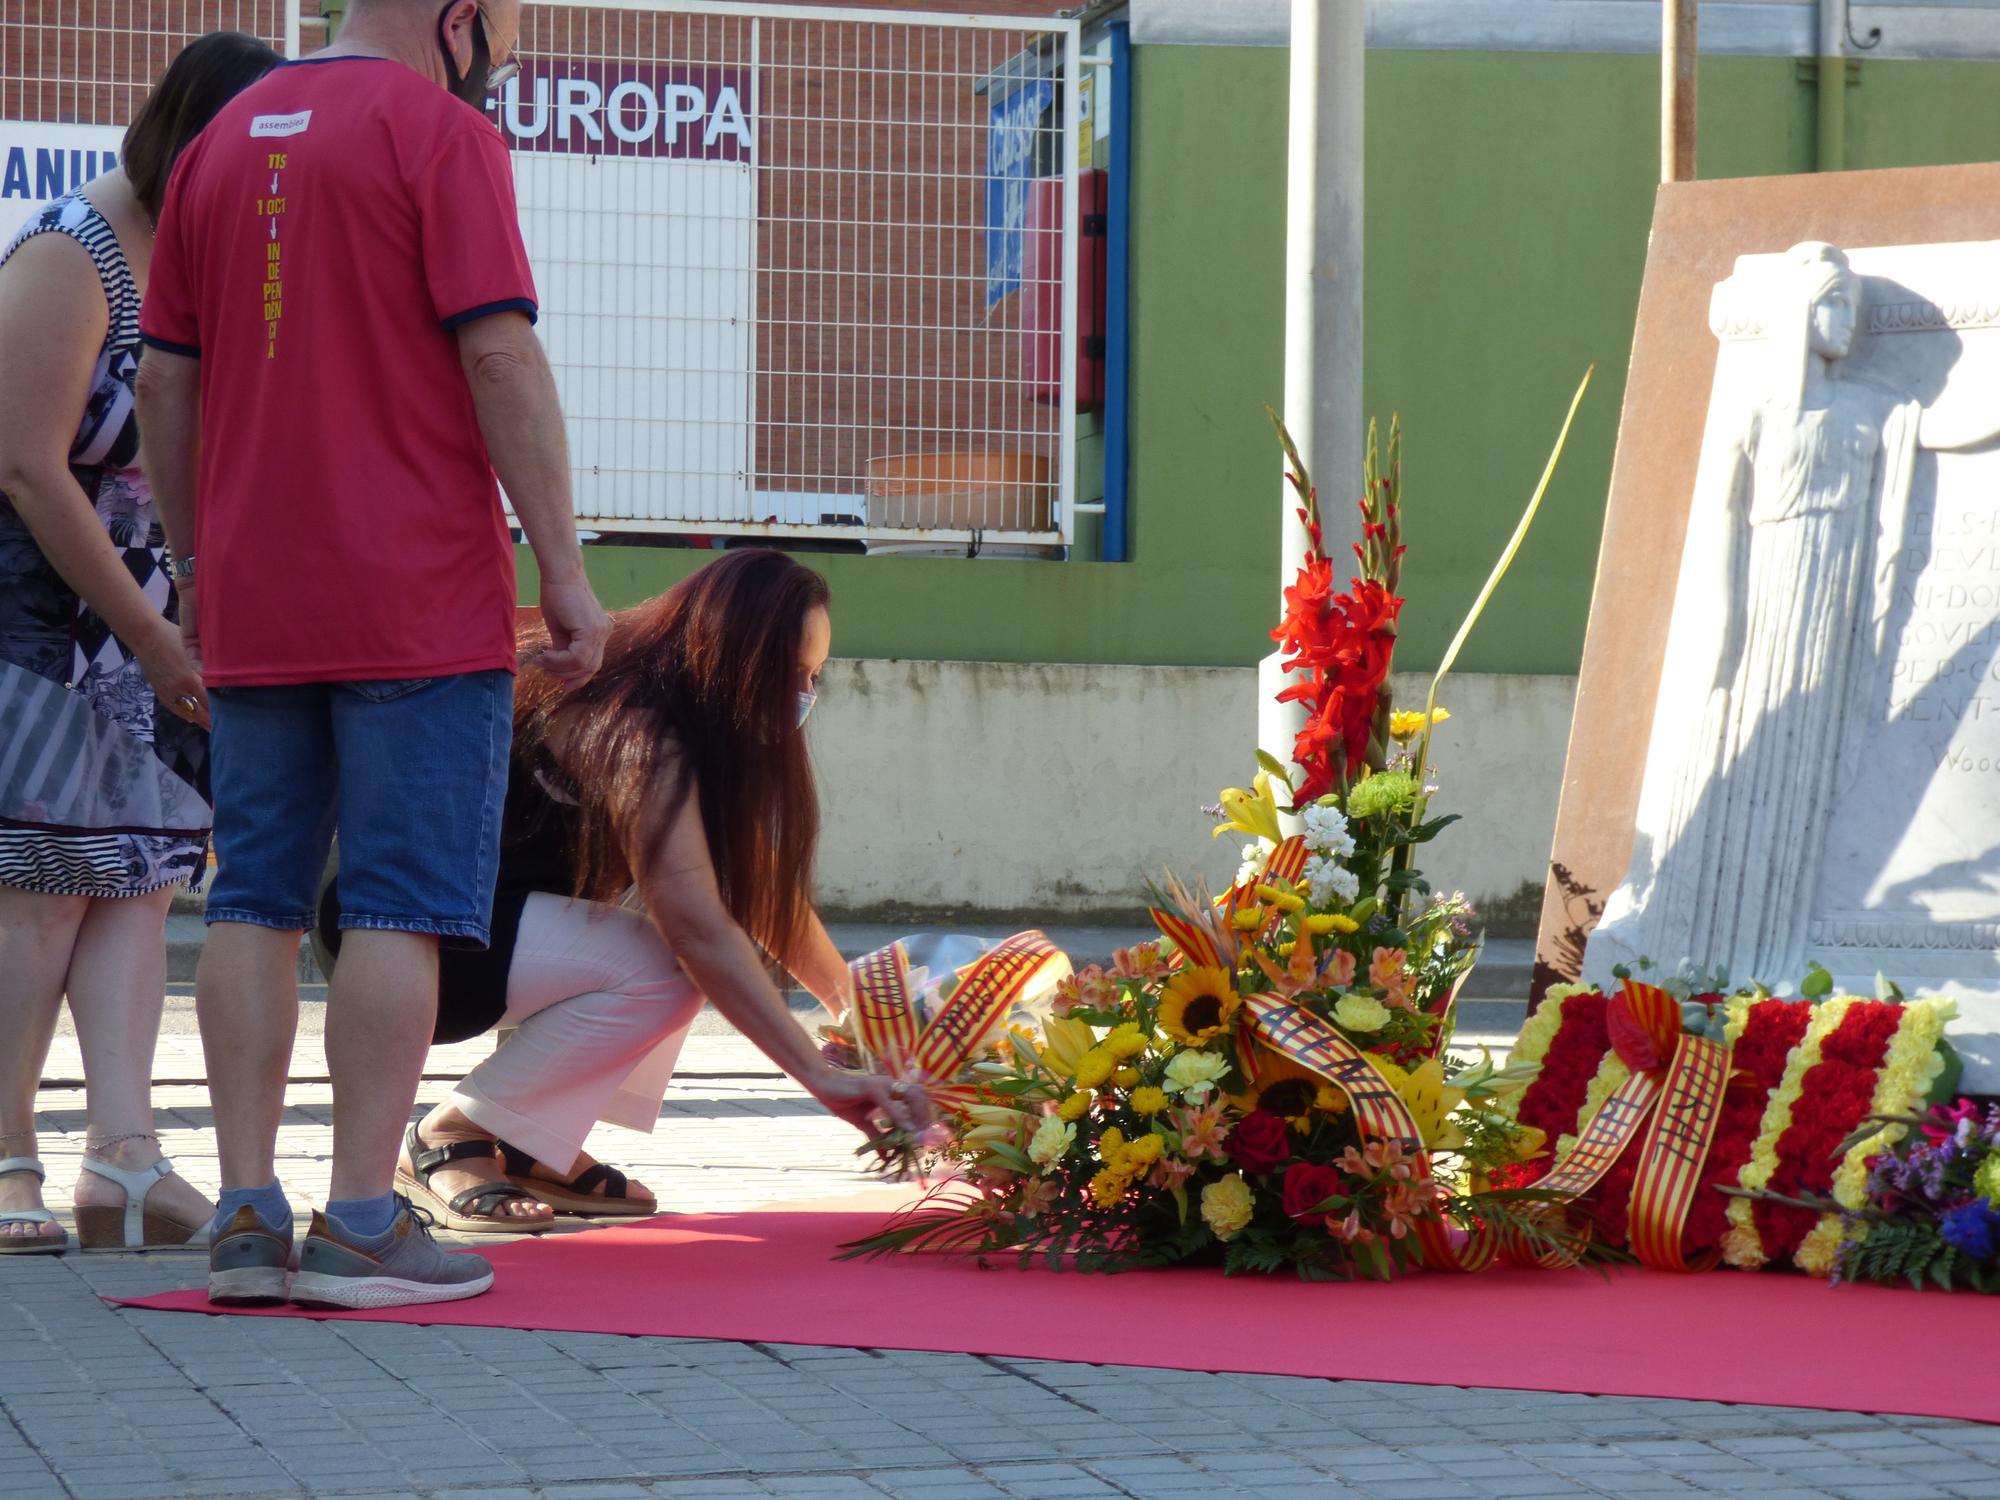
1933	1209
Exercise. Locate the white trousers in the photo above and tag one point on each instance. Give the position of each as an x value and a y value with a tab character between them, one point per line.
602	1008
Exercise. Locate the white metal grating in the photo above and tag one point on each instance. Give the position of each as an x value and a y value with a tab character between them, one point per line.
772	288
73	71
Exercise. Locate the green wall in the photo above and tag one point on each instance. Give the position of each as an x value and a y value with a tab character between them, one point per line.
1509	197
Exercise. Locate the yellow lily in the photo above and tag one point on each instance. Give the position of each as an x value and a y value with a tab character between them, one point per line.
1253	812
1405	724
1431	1101
1068	1040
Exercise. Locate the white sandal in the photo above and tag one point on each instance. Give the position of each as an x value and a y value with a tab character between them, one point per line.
29	1244
132	1227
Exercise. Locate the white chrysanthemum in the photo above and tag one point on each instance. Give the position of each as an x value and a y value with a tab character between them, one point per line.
1326	832
1331	882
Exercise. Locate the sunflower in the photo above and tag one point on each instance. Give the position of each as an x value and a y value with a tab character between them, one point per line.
1197	1005
1284	1088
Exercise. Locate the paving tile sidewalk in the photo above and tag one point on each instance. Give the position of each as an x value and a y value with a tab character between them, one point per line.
104	1404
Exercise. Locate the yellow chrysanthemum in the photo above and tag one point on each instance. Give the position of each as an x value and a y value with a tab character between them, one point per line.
1126	1042
1075	1107
1198	1005
1319	924
1148	1100
1143	1152
1094	1067
1108	1187
1248	920
1330	1100
1126	1078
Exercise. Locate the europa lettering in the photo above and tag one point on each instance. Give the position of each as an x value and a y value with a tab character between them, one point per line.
692	113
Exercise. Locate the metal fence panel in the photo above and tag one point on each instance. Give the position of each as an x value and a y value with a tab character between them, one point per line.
804	270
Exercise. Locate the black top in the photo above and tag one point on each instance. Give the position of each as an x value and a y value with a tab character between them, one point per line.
537	853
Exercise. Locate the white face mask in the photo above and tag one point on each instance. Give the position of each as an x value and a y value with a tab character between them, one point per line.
806	702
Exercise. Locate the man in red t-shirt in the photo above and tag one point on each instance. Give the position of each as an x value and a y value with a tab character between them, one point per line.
340	357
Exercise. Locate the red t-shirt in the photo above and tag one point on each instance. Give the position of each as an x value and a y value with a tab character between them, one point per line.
320	241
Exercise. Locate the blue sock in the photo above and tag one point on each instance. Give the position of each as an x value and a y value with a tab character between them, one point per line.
364	1218
268	1201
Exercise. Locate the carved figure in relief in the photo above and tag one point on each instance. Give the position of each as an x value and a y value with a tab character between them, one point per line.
1784	602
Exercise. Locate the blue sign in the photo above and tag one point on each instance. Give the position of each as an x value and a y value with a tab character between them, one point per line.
1010	165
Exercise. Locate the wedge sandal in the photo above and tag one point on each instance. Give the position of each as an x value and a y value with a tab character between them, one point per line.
29	1244
131	1225
579	1195
476	1210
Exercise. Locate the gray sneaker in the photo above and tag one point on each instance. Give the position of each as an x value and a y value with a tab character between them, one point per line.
398	1268
249	1262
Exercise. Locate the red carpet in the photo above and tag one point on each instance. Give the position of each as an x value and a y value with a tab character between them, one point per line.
767	1276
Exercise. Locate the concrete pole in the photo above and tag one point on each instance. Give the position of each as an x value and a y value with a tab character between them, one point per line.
1322	403
1830	118
1678	48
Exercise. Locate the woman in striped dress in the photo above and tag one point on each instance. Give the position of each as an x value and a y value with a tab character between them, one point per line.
103	721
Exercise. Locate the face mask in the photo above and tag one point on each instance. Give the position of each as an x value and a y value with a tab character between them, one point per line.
473	85
806	702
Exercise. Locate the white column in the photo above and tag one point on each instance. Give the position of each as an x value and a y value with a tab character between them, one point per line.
1322	404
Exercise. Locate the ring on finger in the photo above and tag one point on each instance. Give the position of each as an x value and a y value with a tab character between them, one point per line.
188	704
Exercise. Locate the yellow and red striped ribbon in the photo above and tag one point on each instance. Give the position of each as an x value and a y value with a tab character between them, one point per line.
885	1024
1676	1147
987	989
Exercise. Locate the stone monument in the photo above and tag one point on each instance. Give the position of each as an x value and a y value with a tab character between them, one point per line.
1822	776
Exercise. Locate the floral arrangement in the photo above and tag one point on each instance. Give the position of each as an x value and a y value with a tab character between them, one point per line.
1270	1086
1778	1172
1931	1203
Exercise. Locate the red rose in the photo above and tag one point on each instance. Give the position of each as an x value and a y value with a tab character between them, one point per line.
1260	1141
1306	1187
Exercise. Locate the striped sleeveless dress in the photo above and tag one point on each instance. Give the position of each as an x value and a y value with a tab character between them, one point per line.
102	791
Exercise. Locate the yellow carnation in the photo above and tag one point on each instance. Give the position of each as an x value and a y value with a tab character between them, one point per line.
1226	1206
1361	1013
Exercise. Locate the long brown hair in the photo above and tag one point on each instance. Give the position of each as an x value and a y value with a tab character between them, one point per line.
698	686
209	72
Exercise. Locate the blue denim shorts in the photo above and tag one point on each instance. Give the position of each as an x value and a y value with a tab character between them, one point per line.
412	773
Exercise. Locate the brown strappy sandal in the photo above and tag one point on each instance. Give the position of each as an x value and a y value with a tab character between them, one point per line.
473	1211
579	1195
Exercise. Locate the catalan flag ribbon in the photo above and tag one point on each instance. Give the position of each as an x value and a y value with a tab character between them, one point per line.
896	1037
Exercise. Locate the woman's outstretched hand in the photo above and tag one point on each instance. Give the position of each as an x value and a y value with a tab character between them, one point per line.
868	1102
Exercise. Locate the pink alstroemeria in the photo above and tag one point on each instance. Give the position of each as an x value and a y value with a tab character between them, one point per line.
1204	1132
1169	1172
1142	963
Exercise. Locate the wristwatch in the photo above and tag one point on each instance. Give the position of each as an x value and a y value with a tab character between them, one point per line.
181	569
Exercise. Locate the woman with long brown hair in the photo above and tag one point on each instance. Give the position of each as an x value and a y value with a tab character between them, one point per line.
679	772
